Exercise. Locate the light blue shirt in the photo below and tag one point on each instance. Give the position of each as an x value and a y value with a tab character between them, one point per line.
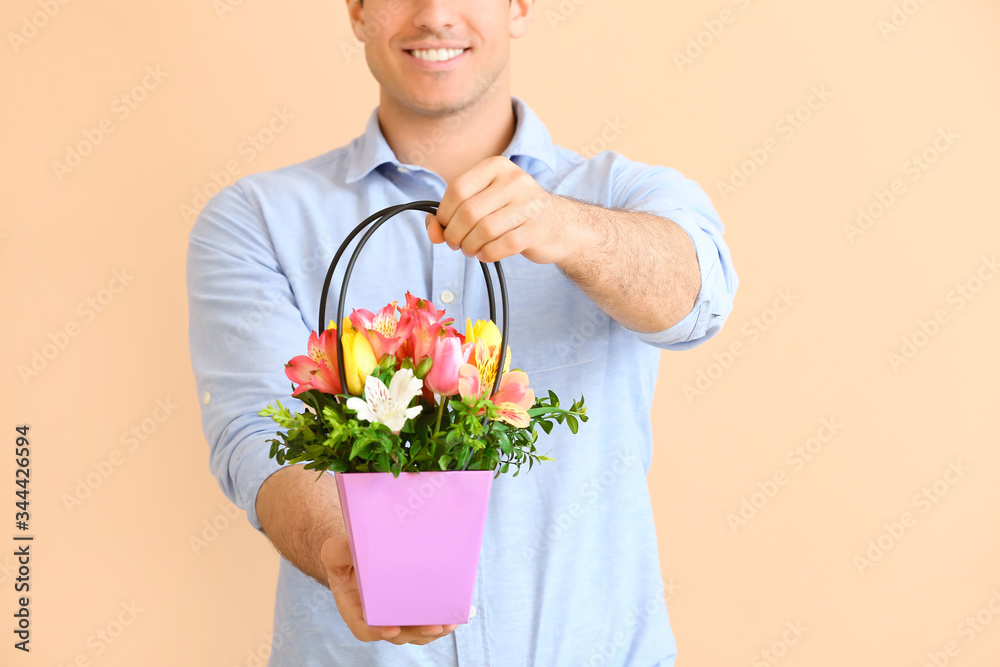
569	573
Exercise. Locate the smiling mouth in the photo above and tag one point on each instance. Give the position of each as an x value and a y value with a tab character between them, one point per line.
435	55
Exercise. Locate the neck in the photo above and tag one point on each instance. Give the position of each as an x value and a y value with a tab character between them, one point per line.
449	144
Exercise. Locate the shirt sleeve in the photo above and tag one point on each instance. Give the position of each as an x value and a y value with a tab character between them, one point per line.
665	192
244	325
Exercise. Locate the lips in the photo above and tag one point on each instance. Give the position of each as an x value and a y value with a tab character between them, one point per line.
435	55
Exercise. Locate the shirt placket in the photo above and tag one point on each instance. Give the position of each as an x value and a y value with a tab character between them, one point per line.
449	292
471	639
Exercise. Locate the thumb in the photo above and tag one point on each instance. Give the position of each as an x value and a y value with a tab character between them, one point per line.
434	229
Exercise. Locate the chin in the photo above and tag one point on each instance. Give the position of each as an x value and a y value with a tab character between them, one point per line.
443	105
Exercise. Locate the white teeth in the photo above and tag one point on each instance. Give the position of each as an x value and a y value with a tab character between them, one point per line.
437	55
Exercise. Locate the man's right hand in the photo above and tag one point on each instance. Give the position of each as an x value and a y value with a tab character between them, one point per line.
336	557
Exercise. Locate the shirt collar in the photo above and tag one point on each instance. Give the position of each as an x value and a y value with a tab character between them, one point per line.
531	139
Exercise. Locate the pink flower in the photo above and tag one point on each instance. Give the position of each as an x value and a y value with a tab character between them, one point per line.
382	329
423	325
469	385
318	370
448	355
513	397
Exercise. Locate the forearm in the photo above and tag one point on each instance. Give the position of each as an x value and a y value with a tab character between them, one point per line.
641	269
298	513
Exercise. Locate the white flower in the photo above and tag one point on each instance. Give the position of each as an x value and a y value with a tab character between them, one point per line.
388	405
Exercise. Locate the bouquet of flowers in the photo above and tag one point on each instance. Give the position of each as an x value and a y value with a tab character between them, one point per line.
419	397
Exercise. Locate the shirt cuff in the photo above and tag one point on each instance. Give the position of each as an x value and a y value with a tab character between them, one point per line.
262	469
714	302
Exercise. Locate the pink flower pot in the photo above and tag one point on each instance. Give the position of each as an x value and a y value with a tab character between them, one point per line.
415	542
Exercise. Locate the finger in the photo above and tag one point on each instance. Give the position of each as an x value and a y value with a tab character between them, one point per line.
421	634
336	557
471	212
434	229
492	228
471	182
505	246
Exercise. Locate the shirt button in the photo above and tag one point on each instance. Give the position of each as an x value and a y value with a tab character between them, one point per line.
206	398
472	612
447	296
402	170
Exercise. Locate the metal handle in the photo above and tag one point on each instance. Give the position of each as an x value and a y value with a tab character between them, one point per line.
375	221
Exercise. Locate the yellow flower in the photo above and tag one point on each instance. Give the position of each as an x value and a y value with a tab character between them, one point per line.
484	330
359	358
485	338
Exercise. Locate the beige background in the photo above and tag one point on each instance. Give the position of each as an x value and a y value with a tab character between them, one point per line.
117	346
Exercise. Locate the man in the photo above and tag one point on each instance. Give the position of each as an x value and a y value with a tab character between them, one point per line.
606	261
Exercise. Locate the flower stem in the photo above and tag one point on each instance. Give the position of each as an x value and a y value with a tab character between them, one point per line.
437	425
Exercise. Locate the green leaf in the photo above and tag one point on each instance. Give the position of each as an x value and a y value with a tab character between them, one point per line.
573	424
444	461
